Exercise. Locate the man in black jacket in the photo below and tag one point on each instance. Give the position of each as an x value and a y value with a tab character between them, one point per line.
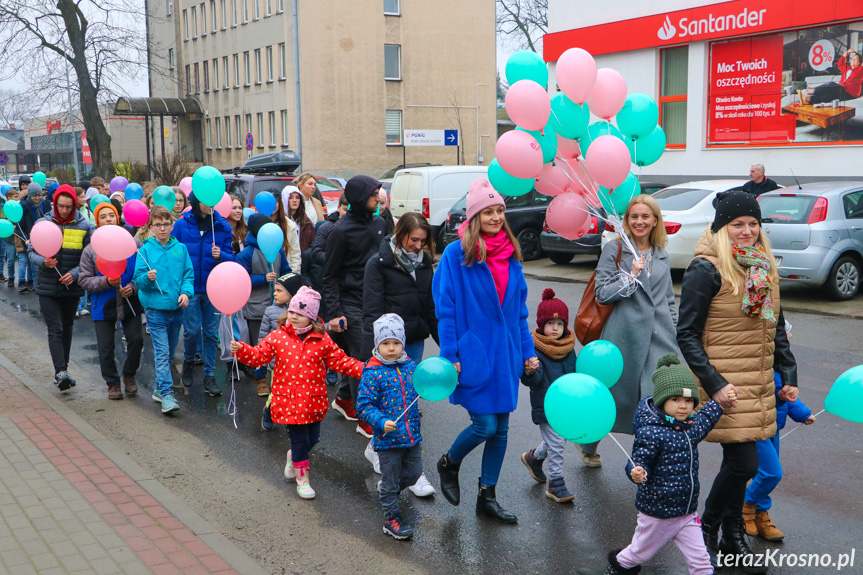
758	183
352	241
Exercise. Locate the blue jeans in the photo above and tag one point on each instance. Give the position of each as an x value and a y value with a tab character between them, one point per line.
164	329
769	474
11	260
415	351
199	314
491	429
400	468
26	270
82	303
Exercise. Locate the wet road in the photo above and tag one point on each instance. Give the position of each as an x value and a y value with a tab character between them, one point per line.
817	505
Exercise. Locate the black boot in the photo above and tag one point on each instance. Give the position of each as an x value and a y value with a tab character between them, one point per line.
710	530
615	568
487	505
188	373
734	543
447	470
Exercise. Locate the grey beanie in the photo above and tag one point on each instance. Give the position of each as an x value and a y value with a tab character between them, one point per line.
389	326
34	189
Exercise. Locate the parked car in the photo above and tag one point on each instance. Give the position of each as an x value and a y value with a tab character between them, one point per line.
652	187
389	175
816	233
561	250
525	215
249	185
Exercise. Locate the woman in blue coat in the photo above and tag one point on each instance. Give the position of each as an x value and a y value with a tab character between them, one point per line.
481	302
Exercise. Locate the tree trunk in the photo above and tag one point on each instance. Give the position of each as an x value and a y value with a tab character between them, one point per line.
97	136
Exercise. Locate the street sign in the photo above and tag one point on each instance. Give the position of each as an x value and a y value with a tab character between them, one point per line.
3	158
250	141
431	138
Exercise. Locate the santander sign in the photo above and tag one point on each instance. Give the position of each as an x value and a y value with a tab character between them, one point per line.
711	24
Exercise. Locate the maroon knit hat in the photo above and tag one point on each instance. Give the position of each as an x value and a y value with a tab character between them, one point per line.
551	308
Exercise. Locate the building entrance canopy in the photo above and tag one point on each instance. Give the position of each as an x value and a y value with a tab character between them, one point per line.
158	107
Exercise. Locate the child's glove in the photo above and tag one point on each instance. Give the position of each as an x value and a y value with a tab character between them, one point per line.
638	474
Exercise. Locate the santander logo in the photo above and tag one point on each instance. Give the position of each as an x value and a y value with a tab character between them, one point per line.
668	31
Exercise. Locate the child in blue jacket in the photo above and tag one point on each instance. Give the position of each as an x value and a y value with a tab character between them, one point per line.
665	453
385	391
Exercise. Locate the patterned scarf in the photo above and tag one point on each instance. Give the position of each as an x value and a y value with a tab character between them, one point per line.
406	260
758	296
556	349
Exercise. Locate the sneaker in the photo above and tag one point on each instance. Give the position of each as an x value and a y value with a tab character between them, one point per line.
557	491
62	380
85	311
31	286
210	386
394	527
10	282
169	404
77	314
378	485
364	429
346	408
198	360
22	288
590	459
267	419
114	392
534	466
290	472
373	458
2	278
263	387
422	488
157	395
188	375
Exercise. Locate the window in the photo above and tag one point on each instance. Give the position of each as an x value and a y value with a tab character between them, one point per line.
248	69
216	75
853	204
197	79
206	65
188	79
224	13
209	135
673	71
238	122
283	64
392	62
248	126
228	132
257	9
234	10
394	127
281	6
170	58
203	19
186	24
219	133
258	75
272	118
260	136
391	7
269	11
215	20
194	22
227	74
245	11
236	71
284	127
170	6
269	63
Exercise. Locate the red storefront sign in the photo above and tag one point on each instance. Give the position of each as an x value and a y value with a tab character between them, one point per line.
721	20
86	158
51	126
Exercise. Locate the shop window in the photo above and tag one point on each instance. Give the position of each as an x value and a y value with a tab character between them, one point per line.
394	127
674	75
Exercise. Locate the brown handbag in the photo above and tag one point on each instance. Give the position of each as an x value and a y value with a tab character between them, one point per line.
592	315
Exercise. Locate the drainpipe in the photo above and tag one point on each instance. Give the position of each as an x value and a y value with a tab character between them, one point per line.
297	82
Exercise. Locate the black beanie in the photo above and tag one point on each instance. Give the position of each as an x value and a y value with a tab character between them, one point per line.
732	205
256	222
291	282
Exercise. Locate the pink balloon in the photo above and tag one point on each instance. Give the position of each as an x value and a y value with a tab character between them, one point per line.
519	154
552	180
224	206
609	161
113	243
229	287
136	213
609	94
567	215
47	239
528	105
186	185
576	75
567	149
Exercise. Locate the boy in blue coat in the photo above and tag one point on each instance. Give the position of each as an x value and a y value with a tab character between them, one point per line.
555	349
165	280
665	453
385	391
208	238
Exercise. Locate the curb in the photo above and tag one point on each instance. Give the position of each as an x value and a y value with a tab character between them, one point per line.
220	544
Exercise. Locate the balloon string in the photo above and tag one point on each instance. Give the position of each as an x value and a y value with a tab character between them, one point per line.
800	425
405	411
213	226
151	269
622	449
232	402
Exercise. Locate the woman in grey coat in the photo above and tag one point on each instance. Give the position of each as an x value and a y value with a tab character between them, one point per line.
643	322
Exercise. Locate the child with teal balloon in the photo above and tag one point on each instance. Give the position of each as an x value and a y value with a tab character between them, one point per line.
386	400
664	465
555	349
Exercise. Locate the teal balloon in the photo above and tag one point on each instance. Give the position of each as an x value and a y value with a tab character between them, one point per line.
600	359
507	184
638	117
165	197
40	178
526	65
208	185
568	119
846	395
647	149
435	379
547	140
99	199
13	211
7	228
270	240
596	130
580	408
616	200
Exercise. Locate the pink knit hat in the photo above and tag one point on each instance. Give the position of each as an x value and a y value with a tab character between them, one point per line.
307	303
481	196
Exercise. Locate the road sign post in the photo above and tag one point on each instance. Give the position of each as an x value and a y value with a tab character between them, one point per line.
4	157
250	142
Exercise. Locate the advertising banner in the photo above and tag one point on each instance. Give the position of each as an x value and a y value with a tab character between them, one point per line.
86	157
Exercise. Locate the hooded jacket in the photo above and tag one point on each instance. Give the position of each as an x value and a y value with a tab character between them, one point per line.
385	391
253	260
174	274
668	452
105	300
352	241
31	214
76	236
188	231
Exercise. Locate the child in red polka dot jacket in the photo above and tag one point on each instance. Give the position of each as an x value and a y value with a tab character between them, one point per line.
303	352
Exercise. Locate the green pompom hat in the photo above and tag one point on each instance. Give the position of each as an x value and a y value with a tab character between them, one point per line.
671	379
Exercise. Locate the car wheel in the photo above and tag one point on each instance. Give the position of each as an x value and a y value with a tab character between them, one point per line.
531	249
843	283
560	258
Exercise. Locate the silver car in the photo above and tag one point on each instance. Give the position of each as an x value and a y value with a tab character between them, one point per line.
816	231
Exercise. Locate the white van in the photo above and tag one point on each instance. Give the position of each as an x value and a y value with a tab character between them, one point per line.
432	191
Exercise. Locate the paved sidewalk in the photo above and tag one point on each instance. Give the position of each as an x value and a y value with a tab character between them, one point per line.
71	502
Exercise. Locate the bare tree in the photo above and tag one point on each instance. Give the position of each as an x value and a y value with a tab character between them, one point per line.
17	106
456	116
523	22
100	39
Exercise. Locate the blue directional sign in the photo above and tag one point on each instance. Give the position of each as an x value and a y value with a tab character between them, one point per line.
250	141
450	137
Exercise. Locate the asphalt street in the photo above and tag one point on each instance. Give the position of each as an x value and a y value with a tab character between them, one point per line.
233	477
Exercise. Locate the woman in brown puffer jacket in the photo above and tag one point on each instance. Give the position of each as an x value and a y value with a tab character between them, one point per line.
731	332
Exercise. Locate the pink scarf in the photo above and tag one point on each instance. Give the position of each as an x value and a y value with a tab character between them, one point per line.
498	251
